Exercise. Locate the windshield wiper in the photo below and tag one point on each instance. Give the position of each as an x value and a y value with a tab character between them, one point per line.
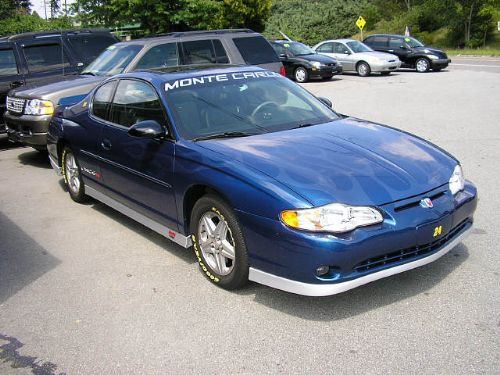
87	74
304	125
233	134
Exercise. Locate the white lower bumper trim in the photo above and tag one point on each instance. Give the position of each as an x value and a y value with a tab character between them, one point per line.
317	290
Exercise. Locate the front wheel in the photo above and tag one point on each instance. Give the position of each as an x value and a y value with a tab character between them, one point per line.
422	65
72	176
218	243
301	74
363	69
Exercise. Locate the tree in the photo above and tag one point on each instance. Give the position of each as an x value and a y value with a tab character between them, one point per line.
55	6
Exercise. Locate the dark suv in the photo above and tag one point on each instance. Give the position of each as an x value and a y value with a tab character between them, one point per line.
35	58
412	53
30	111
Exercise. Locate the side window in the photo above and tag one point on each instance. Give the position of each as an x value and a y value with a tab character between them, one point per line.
280	50
256	50
159	56
378	41
395	43
220	52
135	101
8	64
102	99
339	48
88	47
326	47
45	57
198	52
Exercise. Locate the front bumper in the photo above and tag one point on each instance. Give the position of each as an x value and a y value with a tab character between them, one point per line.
325	71
287	259
385	66
27	129
440	63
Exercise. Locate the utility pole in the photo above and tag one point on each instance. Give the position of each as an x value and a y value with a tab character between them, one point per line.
45	8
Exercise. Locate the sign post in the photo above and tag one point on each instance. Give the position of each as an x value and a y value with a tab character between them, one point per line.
360	23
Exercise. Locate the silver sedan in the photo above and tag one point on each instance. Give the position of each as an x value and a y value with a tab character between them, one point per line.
358	57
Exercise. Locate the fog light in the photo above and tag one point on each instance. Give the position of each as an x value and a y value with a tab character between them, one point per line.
322	270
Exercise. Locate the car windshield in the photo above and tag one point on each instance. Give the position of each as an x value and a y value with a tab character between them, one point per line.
413	43
113	60
298	49
357	47
240	104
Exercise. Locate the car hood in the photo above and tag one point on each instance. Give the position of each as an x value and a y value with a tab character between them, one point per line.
375	54
317	57
350	161
433	50
71	86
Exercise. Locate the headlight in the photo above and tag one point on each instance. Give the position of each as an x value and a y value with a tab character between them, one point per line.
457	180
316	64
432	57
335	218
39	107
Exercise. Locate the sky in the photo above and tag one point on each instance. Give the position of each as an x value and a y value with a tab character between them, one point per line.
38	7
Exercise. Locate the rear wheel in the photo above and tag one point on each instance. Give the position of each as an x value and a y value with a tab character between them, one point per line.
301	74
363	69
422	65
72	176
218	243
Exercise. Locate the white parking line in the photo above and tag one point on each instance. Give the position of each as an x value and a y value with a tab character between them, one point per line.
484	66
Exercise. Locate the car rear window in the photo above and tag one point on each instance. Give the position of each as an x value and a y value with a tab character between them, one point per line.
88	47
256	50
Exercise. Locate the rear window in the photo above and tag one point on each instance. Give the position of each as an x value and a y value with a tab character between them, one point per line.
256	50
88	47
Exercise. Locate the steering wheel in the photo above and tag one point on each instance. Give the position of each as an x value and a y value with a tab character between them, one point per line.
270	106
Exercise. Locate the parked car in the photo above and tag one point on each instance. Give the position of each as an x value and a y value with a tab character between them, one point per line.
412	53
358	57
35	58
302	64
263	179
30	110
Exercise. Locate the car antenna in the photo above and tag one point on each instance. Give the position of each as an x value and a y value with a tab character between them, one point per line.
285	36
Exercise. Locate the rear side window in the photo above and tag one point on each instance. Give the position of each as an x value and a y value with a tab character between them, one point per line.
206	51
327	48
135	101
45	57
102	100
88	47
159	56
377	41
8	64
256	50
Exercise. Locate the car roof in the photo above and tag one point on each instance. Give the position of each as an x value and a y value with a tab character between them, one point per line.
339	40
395	35
49	34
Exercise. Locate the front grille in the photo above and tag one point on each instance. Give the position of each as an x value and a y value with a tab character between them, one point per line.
15	105
409	253
416	202
331	64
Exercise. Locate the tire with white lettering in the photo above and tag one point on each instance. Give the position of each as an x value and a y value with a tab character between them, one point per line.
218	243
72	176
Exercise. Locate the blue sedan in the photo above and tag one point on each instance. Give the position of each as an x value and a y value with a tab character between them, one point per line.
262	179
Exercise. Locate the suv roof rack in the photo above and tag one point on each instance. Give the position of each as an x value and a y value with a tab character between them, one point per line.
178	34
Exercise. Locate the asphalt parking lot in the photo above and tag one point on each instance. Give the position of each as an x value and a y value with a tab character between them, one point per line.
85	290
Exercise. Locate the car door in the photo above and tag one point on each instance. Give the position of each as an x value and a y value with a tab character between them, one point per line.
398	47
137	171
10	74
344	56
45	59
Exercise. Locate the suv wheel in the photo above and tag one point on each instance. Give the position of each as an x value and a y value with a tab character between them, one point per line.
301	75
422	65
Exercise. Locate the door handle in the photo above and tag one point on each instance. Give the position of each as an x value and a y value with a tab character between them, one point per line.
391	50
16	84
106	144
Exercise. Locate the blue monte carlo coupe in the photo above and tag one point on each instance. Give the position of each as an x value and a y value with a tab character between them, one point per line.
265	181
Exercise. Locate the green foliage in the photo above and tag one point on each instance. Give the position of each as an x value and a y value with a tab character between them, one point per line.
21	23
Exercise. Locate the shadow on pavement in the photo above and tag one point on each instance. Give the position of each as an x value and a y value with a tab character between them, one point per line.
22	260
9	355
6	145
365	298
35	158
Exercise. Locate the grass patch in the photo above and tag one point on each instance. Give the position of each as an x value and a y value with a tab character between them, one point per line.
474	52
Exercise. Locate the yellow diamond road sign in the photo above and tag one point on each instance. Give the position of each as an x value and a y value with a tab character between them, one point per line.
360	23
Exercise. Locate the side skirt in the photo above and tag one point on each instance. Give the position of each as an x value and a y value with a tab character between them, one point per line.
157	227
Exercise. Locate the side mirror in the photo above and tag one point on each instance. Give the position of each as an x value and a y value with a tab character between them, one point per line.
403	47
147	129
283	56
346	52
325	101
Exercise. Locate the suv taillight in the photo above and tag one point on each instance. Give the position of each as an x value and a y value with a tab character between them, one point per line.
282	71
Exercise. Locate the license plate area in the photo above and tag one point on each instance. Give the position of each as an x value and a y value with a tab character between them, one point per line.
434	231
